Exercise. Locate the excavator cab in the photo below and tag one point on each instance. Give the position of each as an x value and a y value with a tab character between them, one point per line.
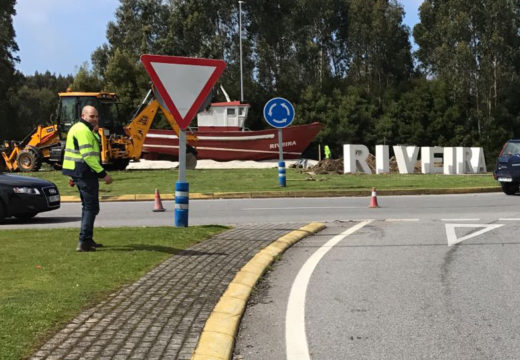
71	104
111	126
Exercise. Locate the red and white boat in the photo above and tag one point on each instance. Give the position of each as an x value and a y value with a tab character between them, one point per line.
222	136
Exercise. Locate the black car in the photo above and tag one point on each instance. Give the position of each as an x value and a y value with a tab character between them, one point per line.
24	196
507	171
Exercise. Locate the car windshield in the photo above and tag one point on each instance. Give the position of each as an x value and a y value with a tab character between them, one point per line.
511	148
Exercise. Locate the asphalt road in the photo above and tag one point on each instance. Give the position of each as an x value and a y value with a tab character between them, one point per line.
279	210
391	290
420	277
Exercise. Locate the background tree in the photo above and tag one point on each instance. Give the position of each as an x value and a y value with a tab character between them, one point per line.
473	47
344	63
8	47
35	99
378	46
86	80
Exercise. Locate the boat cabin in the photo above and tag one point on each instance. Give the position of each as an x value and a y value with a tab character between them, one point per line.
223	116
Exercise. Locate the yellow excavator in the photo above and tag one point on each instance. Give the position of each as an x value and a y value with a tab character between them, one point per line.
28	154
119	143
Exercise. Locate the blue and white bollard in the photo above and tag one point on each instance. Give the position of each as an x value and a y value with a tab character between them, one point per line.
281	173
182	198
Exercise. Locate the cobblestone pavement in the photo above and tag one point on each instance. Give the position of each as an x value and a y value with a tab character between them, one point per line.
162	315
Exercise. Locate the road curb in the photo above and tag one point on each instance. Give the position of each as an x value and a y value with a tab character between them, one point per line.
289	194
218	336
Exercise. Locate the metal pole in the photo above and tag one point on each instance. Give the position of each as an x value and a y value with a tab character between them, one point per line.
281	163
182	155
280	145
182	190
240	41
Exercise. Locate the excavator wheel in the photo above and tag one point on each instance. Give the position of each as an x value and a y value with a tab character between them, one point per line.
191	157
191	161
29	160
118	164
57	166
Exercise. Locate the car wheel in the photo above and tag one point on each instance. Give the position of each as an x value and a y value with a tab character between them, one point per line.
509	188
25	216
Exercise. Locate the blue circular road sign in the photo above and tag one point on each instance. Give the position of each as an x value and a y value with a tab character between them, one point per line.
279	112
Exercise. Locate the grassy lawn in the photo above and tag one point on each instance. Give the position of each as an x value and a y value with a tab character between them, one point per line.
249	180
45	283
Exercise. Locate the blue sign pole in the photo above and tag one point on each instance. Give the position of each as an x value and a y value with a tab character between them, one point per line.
281	163
279	113
182	188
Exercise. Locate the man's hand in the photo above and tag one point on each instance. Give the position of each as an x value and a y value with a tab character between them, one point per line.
108	179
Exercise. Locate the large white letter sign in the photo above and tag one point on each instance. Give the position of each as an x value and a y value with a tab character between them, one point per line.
463	156
382	159
434	160
428	160
449	161
355	159
478	161
406	157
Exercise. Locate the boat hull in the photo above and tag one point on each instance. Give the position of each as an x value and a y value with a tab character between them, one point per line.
233	145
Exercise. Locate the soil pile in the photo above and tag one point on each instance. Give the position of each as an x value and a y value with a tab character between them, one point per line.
330	166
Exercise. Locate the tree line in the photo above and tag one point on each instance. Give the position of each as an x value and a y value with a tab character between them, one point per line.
348	64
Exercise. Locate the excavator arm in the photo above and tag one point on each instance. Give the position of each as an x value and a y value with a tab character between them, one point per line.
140	125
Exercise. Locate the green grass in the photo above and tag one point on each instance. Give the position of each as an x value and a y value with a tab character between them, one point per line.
45	283
249	180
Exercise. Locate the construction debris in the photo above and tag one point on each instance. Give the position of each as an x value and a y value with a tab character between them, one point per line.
335	166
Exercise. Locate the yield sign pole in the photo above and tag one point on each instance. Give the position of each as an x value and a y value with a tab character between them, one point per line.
184	84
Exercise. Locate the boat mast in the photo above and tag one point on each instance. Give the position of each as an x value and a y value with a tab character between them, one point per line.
240	41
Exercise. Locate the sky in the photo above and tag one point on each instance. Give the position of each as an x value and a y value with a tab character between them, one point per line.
60	35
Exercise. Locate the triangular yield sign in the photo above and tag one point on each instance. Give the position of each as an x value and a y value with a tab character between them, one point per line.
452	236
183	83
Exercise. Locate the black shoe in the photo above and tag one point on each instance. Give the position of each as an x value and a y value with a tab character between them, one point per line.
84	247
94	244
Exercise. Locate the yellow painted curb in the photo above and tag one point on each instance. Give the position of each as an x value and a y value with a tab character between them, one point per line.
217	346
218	335
69	198
117	198
288	194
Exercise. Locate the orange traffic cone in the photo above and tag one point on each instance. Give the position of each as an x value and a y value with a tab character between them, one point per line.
373	200
158	204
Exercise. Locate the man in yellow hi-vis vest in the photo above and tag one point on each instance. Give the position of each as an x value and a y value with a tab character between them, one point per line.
82	163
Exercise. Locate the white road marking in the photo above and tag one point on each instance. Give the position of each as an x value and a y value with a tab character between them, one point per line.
460	219
509	219
401	220
452	236
295	335
305	207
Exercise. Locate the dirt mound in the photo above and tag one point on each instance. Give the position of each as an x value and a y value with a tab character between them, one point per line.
329	166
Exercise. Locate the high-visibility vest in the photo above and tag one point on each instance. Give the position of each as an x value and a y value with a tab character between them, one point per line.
327	151
81	157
